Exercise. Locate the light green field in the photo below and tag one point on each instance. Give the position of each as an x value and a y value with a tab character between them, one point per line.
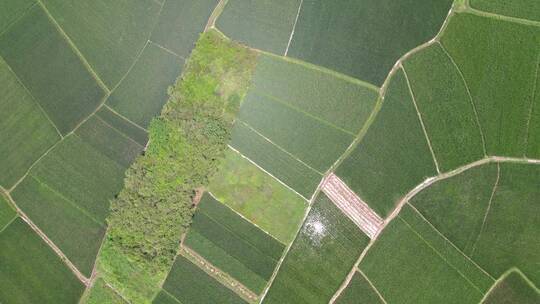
320	258
30	272
102	294
512	288
393	157
359	290
446	108
143	92
497	72
50	69
516	8
257	196
7	214
11	10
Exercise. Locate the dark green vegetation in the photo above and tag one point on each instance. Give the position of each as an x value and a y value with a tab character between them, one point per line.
7	214
257	196
446	108
321	256
233	244
533	144
264	25
102	294
51	70
516	8
364	38
393	157
187	283
512	288
500	76
30	272
359	290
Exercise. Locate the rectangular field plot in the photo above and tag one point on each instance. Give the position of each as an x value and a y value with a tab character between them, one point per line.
516	8
109	34
26	131
50	69
141	95
283	166
180	23
359	290
393	157
512	287
30	272
232	244
187	283
7	213
102	294
265	25
123	126
259	197
320	258
533	139
11	10
475	43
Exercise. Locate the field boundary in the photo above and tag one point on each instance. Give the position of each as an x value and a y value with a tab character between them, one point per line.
8	27
211	24
123	117
165	49
531	108
8	223
118	131
469	9
293	28
372	286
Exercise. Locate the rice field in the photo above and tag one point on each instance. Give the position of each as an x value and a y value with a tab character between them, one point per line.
512	287
519	9
359	290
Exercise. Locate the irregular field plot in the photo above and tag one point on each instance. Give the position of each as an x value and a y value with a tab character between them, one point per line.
30	272
513	288
7	214
11	10
516	8
187	283
180	24
446	108
233	244
26	131
393	157
109	34
257	196
265	25
500	76
364	38
359	290
141	95
320	258
102	294
50	69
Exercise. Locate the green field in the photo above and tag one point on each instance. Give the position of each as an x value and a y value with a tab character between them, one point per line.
26	132
109	34
142	94
187	283
446	108
102	294
393	157
123	126
533	144
233	244
364	38
284	167
515	8
30	272
512	288
50	69
265	25
320	258
11	10
496	72
7	214
359	290
257	196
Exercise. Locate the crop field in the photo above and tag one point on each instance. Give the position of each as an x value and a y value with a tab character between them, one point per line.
322	254
102	294
30	272
257	196
233	244
187	283
513	287
516	8
12	10
533	144
475	44
7	214
50	69
123	126
391	159
359	290
265	25
364	39
446	108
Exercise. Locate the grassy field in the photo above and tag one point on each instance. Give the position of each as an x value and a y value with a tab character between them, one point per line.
331	97
359	290
475	44
50	69
393	157
513	287
446	108
533	144
102	294
257	196
284	167
143	92
12	10
110	35
320	258
516	8
26	132
265	25
187	283
364	38
7	214
233	244
30	272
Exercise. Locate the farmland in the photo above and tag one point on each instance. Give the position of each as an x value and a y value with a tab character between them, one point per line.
359	290
513	287
7	214
518	9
